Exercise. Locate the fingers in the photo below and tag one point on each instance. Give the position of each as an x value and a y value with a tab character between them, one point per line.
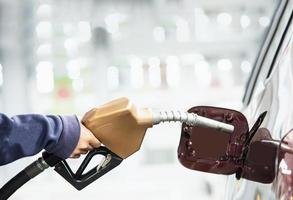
85	147
87	142
91	139
78	153
94	142
89	148
75	156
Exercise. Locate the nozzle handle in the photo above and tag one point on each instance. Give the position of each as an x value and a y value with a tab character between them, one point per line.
80	180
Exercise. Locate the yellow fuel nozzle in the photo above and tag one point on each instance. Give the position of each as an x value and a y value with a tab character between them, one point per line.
121	127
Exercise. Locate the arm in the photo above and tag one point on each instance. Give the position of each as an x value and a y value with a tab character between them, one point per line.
26	135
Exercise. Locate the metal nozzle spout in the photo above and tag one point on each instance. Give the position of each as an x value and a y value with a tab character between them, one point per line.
191	119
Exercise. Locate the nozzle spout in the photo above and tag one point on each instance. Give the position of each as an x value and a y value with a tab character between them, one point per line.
191	119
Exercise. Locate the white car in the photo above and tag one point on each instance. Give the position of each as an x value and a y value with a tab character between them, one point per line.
258	154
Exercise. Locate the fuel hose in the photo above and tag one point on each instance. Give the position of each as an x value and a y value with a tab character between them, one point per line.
31	171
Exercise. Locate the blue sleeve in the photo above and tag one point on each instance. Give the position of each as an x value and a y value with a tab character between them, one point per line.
26	135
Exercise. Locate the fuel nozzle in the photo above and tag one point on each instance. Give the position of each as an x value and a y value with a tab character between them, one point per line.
190	119
121	126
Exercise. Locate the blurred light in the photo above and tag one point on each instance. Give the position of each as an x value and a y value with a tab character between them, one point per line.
68	29
71	46
154	71
77	85
73	69
191	58
82	62
159	34
200	15
182	30
172	60
45	77
136	72
113	21
224	64
113	77
44	10
1	75
173	71
264	21
84	31
244	21
201	24
224	74
203	73
154	61
44	50
135	61
246	66
44	29
224	19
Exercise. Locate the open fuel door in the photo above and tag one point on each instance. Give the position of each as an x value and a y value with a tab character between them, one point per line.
248	154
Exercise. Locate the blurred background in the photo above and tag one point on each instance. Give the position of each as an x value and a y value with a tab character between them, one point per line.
67	56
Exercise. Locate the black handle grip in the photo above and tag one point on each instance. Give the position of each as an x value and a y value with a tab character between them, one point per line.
79	179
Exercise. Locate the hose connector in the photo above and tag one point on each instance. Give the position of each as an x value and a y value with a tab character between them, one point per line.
36	167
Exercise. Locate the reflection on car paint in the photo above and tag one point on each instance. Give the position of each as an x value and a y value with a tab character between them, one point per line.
284	182
275	97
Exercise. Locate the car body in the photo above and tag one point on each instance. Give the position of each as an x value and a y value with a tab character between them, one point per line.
270	88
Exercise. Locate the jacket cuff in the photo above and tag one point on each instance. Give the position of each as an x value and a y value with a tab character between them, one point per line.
69	137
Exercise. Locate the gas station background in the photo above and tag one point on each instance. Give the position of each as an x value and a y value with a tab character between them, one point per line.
65	57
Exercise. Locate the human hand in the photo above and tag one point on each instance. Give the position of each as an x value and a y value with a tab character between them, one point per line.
87	141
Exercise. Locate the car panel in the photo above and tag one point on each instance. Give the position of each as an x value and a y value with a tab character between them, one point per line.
266	56
270	90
